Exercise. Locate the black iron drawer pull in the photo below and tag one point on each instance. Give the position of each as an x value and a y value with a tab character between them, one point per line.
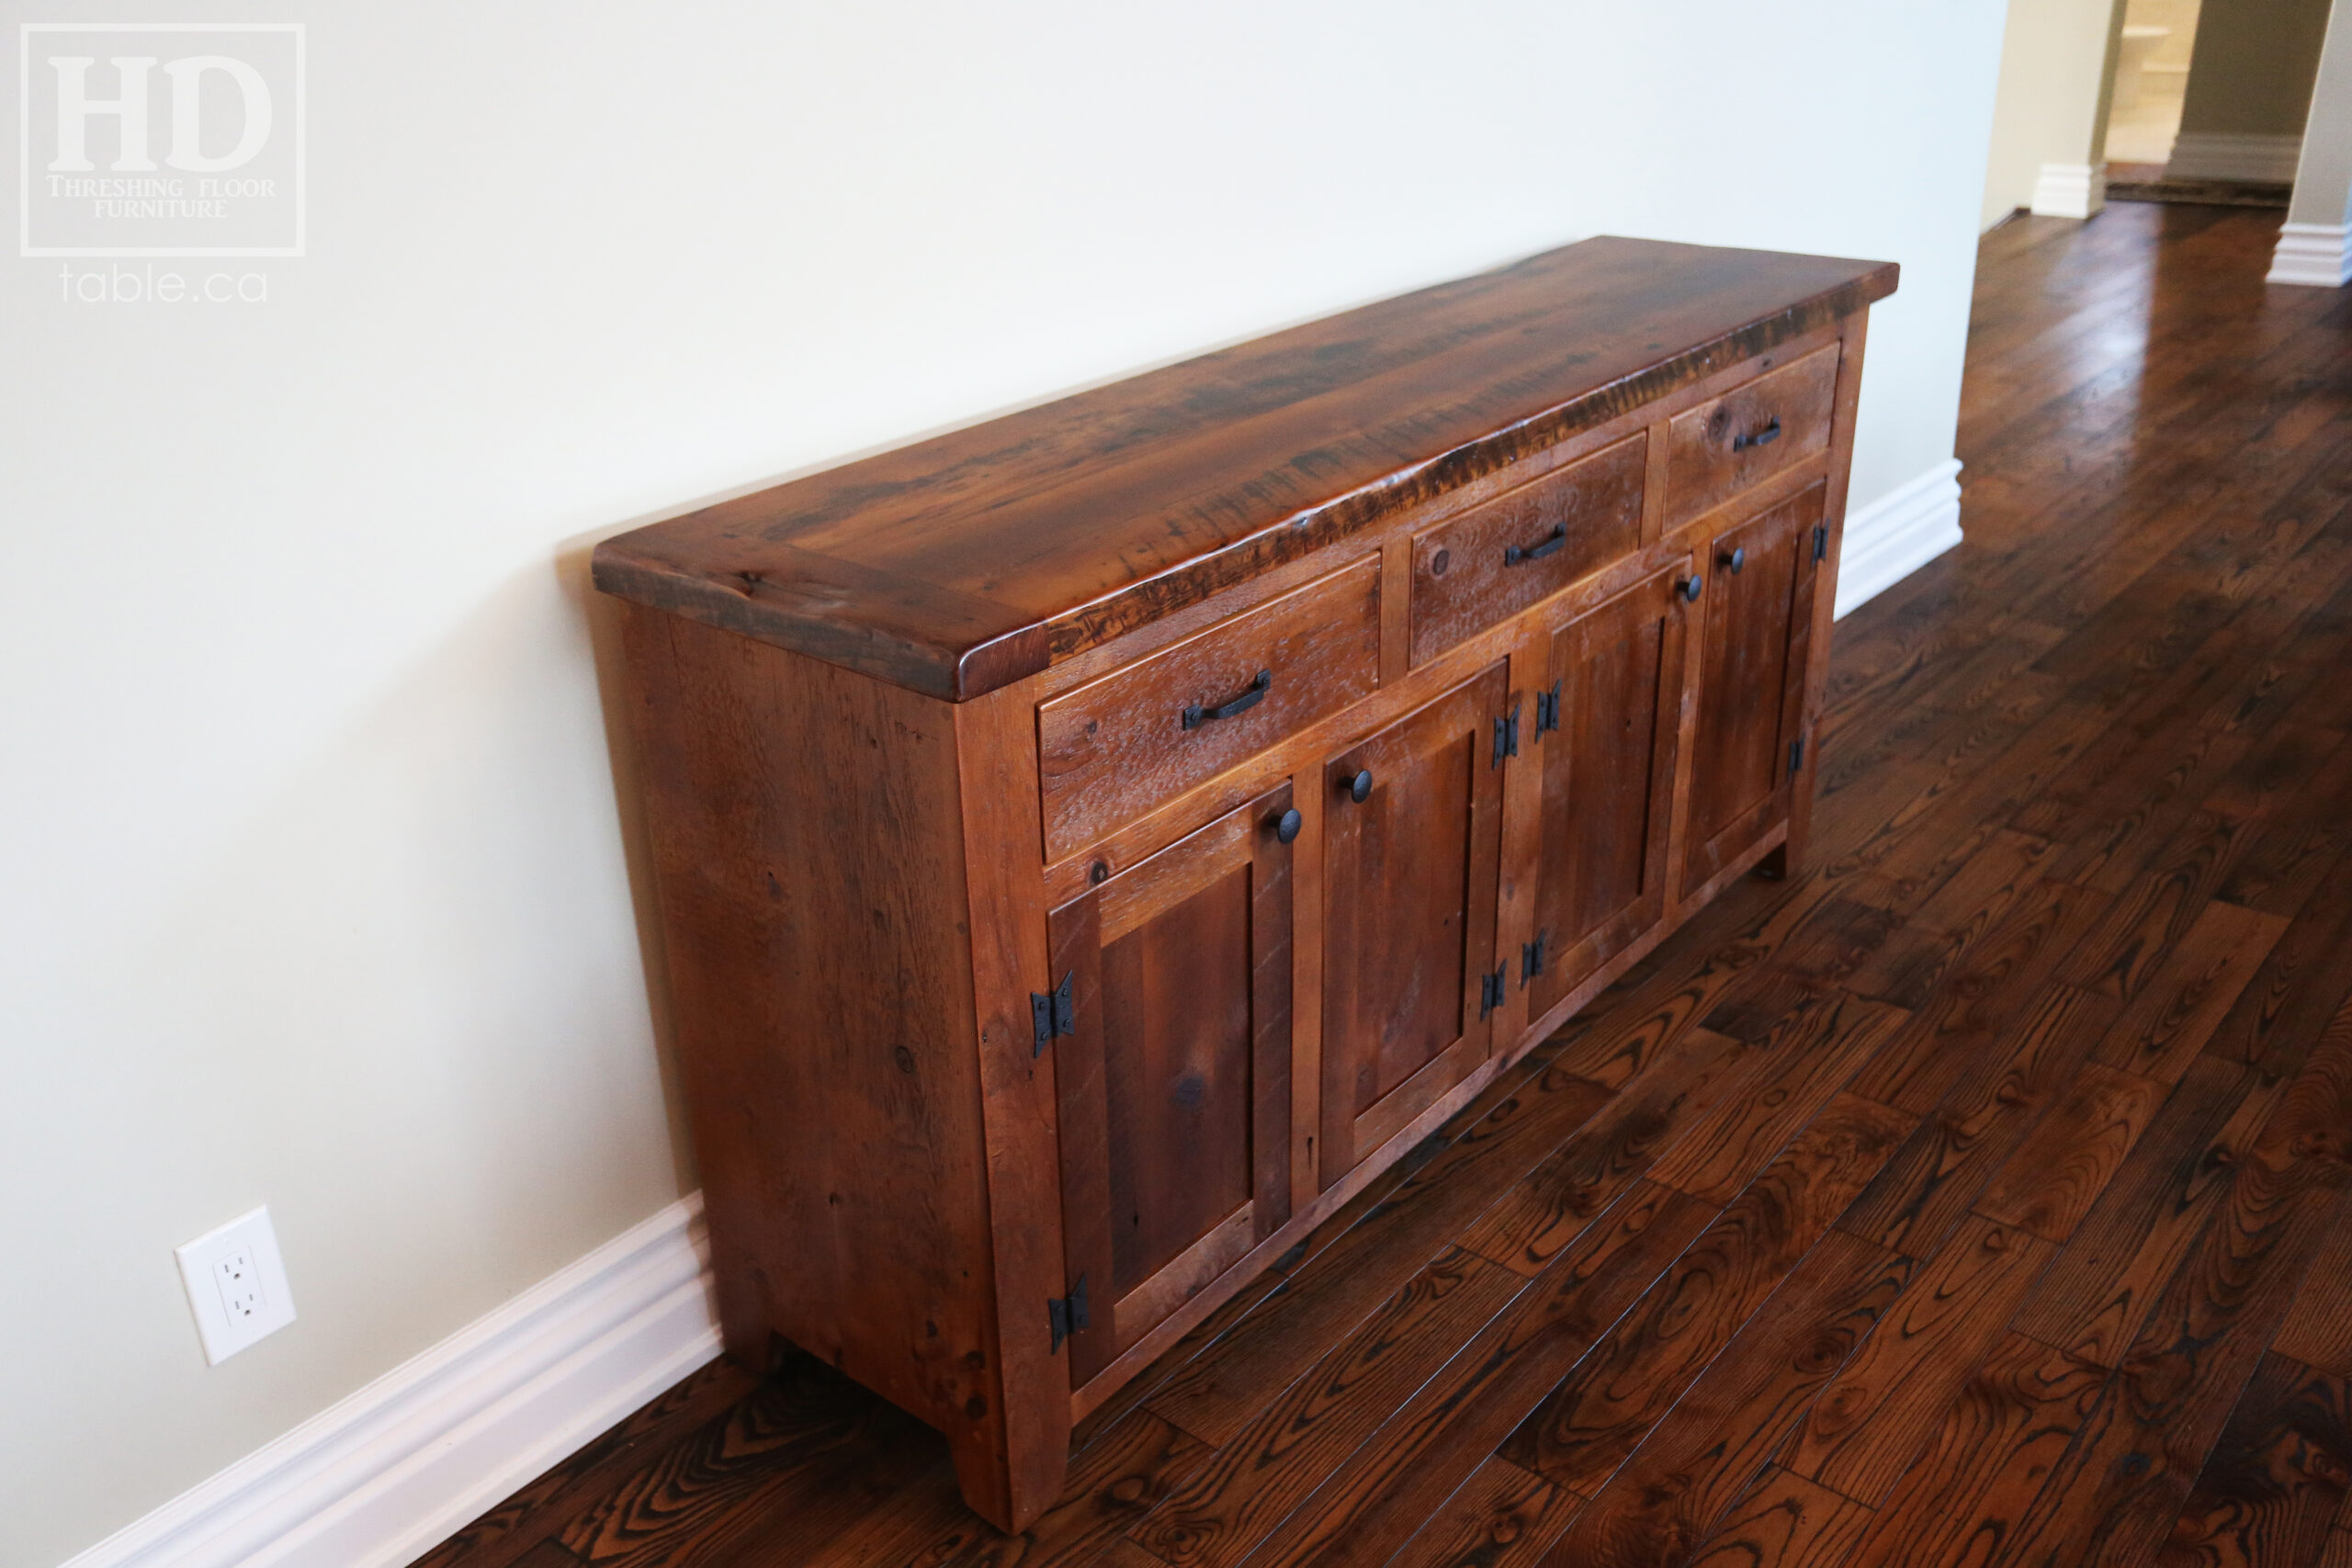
1734	560
1357	785
1198	716
1764	437
1288	825
1688	588
1513	555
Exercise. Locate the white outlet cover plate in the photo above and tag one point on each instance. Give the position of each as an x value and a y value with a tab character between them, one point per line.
224	1335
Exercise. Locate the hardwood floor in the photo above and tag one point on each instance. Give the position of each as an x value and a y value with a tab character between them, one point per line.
1977	1196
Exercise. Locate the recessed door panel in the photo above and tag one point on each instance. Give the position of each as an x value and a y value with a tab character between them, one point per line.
1412	840
1759	578
1174	1076
1608	756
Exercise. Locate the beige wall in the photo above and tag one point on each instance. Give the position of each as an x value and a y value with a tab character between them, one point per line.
2251	72
2057	65
2323	177
312	880
2178	16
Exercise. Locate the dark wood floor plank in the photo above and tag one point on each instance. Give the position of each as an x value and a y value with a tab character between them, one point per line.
1979	997
1322	1300
1811	1052
1532	1223
1500	1518
2062	1165
2299	839
1683	1480
1382	1495
2318	1330
2283	1009
790	1467
1651	1009
1868	1425
1785	1521
1115	1482
1587	1427
1954	920
2170	1023
1258	1474
2157	909
2115	1494
1962	1501
2270	1494
1942	1169
507	1536
2093	1299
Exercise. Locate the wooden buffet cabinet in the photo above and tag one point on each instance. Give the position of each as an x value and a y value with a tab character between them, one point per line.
1090	845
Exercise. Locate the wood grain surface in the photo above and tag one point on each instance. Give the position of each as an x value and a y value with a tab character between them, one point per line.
958	564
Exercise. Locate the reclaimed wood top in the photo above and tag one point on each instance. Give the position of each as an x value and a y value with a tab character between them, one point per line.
962	563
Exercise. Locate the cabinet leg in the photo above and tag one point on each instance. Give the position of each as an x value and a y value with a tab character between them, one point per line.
1774	866
984	1473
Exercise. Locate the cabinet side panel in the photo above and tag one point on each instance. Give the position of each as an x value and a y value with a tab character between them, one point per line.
809	866
1824	588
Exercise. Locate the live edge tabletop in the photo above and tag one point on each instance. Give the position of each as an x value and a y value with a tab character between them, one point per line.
1091	845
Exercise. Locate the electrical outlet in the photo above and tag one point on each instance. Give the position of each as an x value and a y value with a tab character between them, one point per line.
236	1285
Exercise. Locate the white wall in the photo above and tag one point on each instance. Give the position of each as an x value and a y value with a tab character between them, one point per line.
315	890
2323	174
2057	65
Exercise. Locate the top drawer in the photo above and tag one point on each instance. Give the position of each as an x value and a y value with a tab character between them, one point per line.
1752	431
1497	558
1118	747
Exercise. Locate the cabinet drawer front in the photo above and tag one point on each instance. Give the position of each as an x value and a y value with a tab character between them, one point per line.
1749	434
1118	747
1498	557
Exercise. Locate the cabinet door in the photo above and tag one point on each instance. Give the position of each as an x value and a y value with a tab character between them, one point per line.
1758	601
1174	1078
1409	918
1608	756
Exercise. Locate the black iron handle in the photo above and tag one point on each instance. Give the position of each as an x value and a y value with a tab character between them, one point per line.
1734	560
1764	437
1688	588
1286	826
1513	553
1357	784
1198	716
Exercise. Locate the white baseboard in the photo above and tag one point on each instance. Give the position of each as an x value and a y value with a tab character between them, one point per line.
397	1468
1898	533
2318	253
2069	190
2217	155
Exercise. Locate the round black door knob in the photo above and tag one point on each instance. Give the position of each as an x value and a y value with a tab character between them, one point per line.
1286	825
1358	785
1688	588
1736	560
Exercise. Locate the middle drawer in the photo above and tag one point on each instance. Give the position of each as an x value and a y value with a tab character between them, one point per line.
1526	545
1120	746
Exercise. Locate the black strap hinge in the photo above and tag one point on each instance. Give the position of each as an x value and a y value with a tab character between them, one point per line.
1490	992
1796	753
1532	955
1547	709
1821	541
1054	1012
1507	736
1066	1315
